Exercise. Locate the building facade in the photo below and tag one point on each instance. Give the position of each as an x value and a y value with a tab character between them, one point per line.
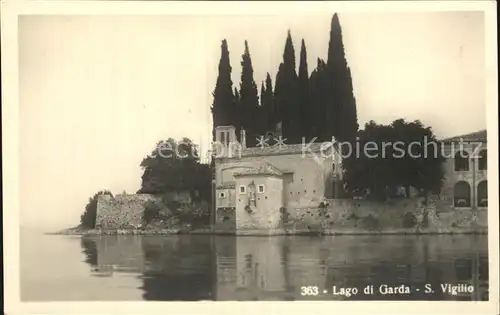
465	184
253	185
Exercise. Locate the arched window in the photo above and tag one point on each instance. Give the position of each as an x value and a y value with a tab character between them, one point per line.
482	163
461	194
482	194
462	161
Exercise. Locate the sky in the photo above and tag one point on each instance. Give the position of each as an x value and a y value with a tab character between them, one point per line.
96	93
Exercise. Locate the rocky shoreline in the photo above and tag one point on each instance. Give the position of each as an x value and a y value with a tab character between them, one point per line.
274	232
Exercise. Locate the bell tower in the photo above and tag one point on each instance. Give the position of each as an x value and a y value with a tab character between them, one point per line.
225	135
226	143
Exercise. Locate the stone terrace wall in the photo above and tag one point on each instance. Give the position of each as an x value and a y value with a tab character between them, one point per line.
352	216
225	219
122	211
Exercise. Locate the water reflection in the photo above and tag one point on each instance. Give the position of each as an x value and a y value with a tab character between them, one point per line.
190	268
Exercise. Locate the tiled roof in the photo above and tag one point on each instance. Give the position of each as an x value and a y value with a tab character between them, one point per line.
263	168
287	149
479	136
227	185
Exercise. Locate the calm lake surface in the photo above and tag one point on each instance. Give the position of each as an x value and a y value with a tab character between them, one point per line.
189	268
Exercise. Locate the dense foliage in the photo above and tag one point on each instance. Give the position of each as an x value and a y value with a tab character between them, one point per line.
401	154
171	212
151	212
175	166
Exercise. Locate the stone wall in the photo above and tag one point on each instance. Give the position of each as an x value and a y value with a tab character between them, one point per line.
122	211
225	219
474	176
265	214
397	216
339	216
125	211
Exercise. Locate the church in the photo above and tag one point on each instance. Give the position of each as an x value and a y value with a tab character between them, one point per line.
253	185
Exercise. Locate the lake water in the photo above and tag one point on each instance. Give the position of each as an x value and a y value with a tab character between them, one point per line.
189	268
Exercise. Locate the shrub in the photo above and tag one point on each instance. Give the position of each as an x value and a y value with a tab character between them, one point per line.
173	205
87	219
195	215
151	212
409	220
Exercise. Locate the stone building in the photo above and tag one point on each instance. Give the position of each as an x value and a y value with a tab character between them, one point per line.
252	185
466	182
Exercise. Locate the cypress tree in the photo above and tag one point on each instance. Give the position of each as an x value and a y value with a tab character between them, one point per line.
262	113
287	96
319	102
236	122
305	114
343	103
342	99
279	93
222	108
267	111
262	92
249	99
269	106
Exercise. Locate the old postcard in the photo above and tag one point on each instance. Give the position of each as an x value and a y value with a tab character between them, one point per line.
243	157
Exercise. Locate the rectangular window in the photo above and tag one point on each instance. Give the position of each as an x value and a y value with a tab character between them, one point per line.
223	137
222	194
260	189
288	177
243	189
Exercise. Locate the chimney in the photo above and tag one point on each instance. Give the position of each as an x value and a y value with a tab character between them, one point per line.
243	138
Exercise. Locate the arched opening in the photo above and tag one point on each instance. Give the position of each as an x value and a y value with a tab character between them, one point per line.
482	162
461	195
482	194
461	161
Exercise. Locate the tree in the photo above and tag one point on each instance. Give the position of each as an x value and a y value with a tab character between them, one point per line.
342	109
237	118
424	173
151	212
175	166
304	93
319	101
400	154
249	99
268	104
286	94
223	110
263	118
87	219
